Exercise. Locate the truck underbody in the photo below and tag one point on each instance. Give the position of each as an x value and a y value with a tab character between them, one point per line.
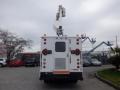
72	76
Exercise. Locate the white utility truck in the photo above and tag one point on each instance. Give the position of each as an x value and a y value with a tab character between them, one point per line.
61	56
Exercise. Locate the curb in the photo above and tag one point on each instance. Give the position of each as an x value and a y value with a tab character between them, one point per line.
107	81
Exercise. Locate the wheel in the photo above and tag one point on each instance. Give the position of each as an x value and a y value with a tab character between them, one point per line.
73	81
1	65
33	65
26	65
46	81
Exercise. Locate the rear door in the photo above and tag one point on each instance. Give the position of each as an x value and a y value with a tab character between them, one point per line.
61	57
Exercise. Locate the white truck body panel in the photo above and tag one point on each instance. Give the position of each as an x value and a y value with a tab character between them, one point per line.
61	60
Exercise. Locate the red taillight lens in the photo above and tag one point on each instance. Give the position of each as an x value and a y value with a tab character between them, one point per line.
77	51
45	51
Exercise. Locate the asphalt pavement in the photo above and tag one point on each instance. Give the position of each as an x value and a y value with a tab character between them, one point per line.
27	78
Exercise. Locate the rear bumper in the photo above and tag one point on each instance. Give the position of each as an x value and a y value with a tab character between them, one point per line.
51	76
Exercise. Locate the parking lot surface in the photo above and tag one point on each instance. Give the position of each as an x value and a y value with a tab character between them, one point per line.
27	78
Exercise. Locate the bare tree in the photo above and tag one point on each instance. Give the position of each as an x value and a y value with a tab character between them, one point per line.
13	43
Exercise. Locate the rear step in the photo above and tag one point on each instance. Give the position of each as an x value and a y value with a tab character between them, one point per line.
61	72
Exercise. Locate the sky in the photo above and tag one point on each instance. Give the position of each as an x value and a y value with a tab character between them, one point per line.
31	19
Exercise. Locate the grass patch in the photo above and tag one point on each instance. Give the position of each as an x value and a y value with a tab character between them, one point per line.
111	75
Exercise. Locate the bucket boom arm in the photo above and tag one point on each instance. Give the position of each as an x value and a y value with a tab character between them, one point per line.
58	25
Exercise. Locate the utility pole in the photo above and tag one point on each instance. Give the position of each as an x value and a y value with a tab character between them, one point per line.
116	42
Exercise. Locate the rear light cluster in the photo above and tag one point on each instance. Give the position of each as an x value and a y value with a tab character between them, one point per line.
44	63
78	63
77	41
45	40
46	51
76	52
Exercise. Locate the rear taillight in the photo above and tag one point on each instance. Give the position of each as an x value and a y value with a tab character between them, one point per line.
44	64
78	60
77	43
78	66
45	51
72	51
76	51
78	63
45	39
44	42
77	39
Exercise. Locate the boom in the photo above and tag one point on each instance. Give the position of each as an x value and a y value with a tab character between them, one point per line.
58	24
108	44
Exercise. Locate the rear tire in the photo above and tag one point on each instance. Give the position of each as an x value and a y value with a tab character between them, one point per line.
46	81
74	81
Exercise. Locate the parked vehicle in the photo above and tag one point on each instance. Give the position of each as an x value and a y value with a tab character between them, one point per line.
3	62
95	62
16	63
86	63
31	62
29	58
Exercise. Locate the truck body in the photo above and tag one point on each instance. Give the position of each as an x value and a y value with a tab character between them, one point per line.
61	58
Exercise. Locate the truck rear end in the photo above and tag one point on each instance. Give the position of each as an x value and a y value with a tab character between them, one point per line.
61	58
